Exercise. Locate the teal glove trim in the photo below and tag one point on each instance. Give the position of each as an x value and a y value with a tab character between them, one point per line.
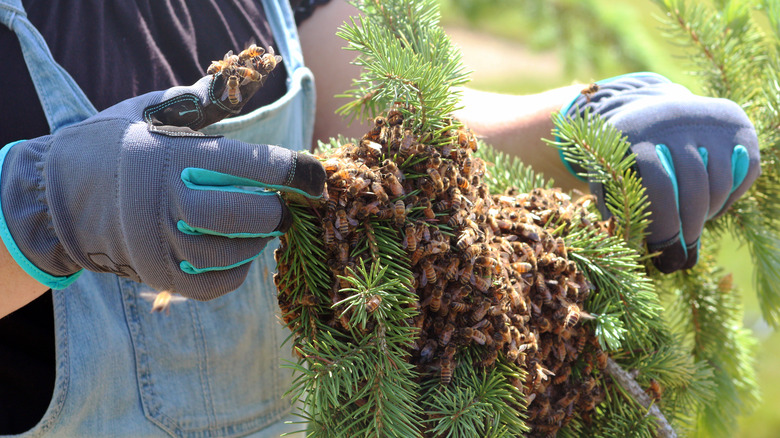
8	240
740	162
204	179
186	228
666	161
705	156
187	267
566	108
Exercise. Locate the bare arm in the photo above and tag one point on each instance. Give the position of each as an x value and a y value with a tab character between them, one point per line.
16	287
517	124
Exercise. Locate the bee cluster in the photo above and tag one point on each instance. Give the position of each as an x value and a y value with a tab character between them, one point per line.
253	64
488	270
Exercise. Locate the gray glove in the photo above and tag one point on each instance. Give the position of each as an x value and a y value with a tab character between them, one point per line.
136	190
696	155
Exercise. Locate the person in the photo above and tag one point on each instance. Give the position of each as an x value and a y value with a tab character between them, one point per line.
107	207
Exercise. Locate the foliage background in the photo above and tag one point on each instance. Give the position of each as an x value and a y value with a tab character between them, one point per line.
622	36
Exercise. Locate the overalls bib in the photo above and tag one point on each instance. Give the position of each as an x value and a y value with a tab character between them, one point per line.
207	369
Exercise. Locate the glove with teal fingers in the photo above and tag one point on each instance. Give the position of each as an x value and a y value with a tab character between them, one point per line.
696	155
138	191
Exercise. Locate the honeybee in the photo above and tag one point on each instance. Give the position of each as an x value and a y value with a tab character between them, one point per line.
250	52
572	315
455	198
161	301
358	184
655	390
410	239
429	271
394	117
394	185
269	60
446	370
562	375
489	359
463	183
458	307
466	239
475	335
581	341
232	91
601	359
399	212
428	350
373	303
342	222
309	300
329	232
436	295
339	178
451	272
249	75
379	192
479	312
446	334
589	91
436	178
481	283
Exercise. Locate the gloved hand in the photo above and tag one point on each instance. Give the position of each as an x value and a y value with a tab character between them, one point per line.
696	155
136	190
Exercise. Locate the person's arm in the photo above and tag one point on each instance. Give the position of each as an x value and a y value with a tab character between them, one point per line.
16	287
517	124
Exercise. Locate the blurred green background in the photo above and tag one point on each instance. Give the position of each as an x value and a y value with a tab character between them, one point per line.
526	46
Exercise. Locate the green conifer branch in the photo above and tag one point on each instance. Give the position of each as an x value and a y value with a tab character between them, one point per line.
408	62
506	172
595	145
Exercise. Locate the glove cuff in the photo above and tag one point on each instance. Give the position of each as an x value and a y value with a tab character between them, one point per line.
26	227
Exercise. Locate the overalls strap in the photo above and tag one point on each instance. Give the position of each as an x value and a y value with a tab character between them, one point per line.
63	102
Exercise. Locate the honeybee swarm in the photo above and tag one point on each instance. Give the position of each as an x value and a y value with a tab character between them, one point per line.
498	280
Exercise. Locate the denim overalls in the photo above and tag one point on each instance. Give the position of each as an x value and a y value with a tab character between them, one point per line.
207	369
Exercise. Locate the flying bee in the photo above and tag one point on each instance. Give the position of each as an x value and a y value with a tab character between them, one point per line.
269	60
161	301
446	370
589	91
373	303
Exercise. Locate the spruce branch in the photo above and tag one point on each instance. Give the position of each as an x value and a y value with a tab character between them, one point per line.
595	145
664	429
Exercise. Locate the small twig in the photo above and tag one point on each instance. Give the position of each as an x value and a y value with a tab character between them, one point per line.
629	384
